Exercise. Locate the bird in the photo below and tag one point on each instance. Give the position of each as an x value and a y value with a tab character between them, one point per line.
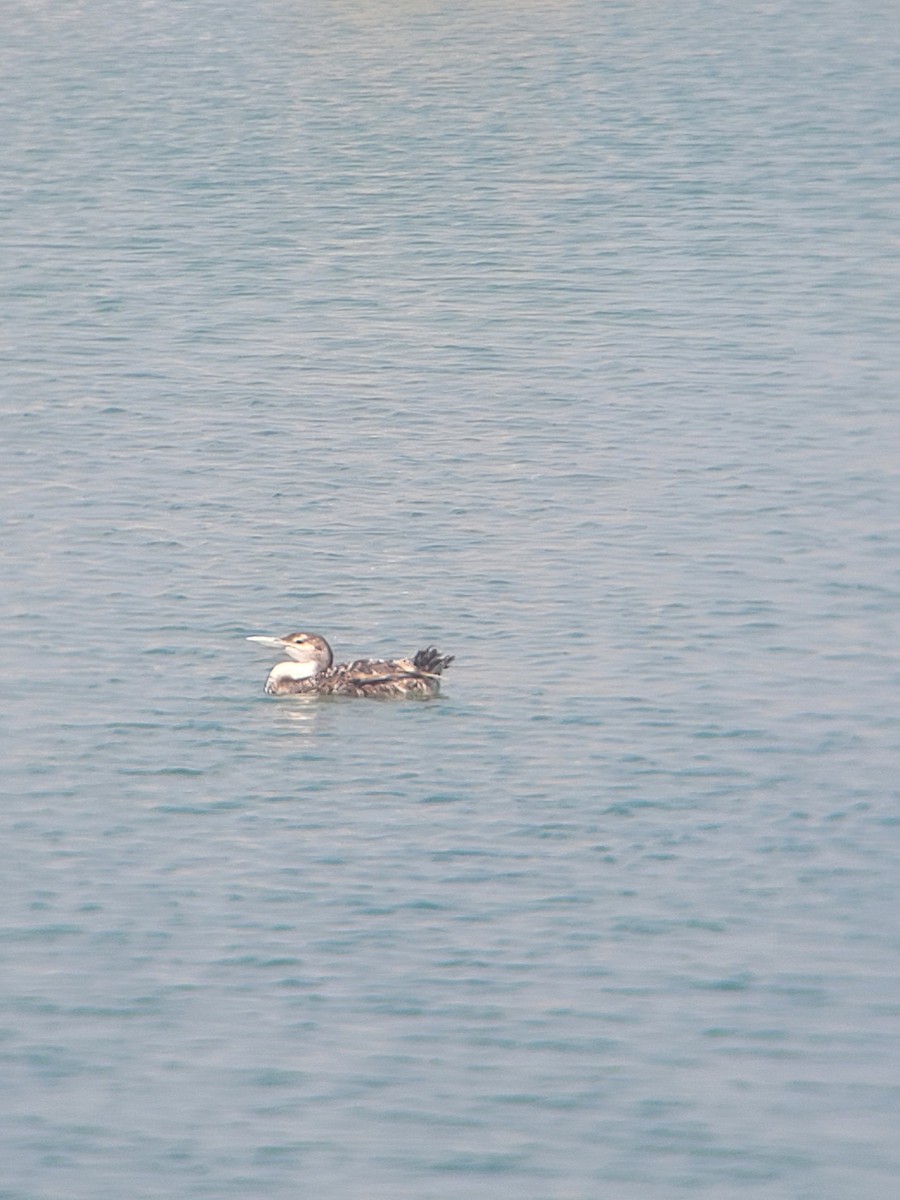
309	670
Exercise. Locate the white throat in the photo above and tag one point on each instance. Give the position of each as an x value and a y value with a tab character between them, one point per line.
292	670
300	654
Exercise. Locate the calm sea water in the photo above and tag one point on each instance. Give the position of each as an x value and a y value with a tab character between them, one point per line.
564	336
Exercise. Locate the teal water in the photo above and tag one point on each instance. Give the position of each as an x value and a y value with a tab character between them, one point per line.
563	336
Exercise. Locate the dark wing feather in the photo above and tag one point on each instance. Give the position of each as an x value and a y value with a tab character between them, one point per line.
432	661
377	677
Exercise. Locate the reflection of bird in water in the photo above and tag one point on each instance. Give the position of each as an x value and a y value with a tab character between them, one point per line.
308	671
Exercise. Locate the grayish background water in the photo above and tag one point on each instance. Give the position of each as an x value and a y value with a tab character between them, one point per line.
562	335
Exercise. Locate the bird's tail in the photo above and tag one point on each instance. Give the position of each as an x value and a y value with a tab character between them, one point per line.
431	661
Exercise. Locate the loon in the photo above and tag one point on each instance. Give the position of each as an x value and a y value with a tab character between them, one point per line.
308	671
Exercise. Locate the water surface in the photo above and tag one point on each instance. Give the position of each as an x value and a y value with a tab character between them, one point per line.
560	335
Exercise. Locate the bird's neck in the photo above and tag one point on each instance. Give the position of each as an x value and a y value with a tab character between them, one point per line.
293	670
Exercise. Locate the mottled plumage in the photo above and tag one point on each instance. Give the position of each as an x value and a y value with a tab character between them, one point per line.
309	671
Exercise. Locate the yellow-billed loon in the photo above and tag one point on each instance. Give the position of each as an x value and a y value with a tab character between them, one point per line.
309	670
